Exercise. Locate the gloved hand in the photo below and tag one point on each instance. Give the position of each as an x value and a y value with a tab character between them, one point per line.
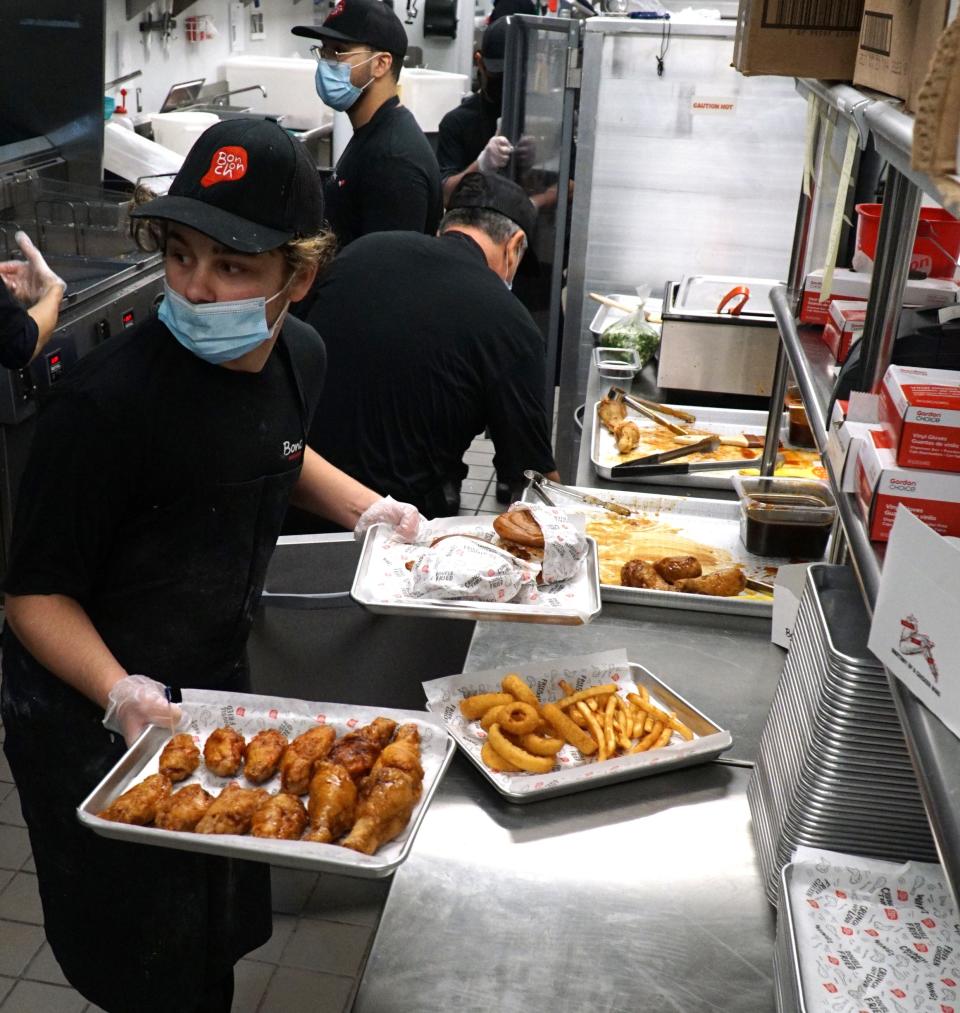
495	155
29	280
405	518
135	702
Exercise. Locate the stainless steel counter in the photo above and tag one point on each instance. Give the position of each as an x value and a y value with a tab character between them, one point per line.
642	896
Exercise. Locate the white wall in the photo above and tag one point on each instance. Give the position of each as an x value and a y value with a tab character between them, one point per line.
176	60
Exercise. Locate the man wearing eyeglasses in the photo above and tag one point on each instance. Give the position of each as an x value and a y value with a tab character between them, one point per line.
387	177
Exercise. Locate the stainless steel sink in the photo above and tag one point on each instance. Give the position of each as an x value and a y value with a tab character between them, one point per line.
226	112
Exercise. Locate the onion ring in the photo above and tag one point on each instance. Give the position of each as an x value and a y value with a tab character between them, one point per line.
512	683
518	718
474	707
492	716
495	761
517	756
541	745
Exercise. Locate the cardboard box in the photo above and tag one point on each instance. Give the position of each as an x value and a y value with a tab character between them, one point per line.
882	484
843	445
920	408
818	38
844	326
915	632
926	294
897	39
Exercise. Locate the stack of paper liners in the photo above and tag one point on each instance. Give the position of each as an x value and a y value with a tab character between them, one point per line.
936	133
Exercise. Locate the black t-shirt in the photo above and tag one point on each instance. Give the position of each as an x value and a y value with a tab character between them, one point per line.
464	132
139	427
387	178
426	347
18	332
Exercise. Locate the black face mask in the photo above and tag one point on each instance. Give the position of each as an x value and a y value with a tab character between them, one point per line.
492	89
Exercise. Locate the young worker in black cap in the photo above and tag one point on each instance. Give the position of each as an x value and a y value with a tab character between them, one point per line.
468	140
444	349
387	177
160	473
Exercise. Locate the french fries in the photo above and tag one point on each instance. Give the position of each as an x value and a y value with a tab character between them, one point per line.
524	735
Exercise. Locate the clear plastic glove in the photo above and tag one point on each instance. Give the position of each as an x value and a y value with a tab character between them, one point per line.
495	155
405	518
29	280
135	702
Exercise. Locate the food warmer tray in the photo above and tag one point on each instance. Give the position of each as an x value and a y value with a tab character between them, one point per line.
722	421
443	696
249	713
581	595
712	522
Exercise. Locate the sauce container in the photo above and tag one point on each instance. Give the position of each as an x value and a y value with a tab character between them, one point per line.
800	434
786	517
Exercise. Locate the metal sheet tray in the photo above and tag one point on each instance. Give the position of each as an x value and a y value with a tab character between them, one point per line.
582	592
709	521
249	713
722	421
576	774
789	954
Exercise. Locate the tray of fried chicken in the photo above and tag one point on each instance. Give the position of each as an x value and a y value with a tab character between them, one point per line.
532	563
318	786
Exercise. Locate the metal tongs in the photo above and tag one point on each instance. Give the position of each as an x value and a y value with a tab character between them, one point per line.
540	483
640	407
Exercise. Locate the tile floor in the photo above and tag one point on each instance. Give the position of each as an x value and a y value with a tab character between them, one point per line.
323	925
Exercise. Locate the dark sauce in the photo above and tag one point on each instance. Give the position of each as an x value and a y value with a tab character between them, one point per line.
769	533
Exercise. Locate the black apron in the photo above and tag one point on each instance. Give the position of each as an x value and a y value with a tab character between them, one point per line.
136	928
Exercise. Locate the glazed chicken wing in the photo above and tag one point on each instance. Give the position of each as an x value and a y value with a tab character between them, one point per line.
611	411
640	573
223	752
263	755
282	817
721	583
333	803
389	793
180	757
139	804
184	809
302	755
231	812
358	751
674	568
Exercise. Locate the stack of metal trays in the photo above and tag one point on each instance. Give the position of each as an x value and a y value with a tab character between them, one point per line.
833	769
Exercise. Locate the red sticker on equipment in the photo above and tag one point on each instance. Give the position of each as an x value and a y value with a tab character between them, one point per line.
227	165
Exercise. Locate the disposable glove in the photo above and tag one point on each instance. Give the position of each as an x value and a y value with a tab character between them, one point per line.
405	518
135	702
495	155
29	280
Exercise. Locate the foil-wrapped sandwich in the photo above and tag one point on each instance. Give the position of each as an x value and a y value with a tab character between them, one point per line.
536	545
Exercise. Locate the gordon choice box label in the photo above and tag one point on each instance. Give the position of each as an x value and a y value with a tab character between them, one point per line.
915	631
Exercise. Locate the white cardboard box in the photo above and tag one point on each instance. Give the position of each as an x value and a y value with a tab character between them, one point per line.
843	444
927	293
915	632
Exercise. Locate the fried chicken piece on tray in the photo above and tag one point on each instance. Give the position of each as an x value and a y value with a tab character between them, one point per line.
389	793
263	755
611	411
223	752
180	757
627	435
721	583
674	568
281	817
231	812
333	803
302	755
138	805
184	809
357	751
640	573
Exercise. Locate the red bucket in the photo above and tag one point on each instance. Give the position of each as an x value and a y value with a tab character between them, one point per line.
936	248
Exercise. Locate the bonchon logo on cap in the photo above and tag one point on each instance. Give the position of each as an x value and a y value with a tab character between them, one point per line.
338	9
227	165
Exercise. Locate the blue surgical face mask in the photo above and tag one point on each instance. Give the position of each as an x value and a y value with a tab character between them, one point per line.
334	85
218	332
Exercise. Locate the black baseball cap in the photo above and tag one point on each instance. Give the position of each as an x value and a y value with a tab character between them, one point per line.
495	193
245	183
493	46
504	8
365	22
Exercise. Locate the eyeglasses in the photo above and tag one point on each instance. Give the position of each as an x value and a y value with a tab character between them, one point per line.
322	53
